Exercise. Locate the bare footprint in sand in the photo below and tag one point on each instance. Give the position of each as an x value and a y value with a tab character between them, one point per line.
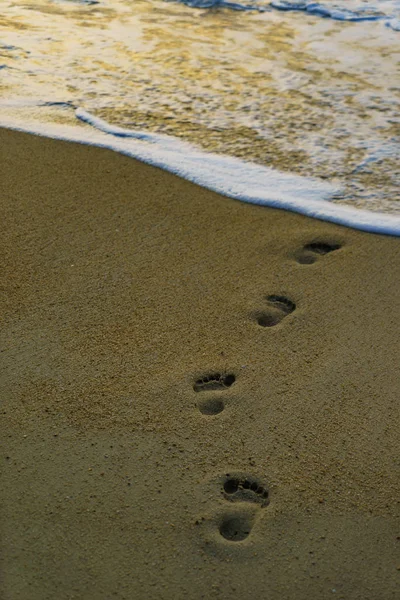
251	495
212	404
278	307
310	253
243	498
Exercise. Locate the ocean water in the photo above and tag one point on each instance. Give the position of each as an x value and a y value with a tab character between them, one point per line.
287	103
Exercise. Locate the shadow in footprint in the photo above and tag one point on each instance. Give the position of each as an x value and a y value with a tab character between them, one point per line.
310	253
236	527
211	406
278	308
214	382
245	488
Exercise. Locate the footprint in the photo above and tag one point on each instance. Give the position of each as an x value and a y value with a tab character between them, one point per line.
233	514
310	252
245	488
213	382
236	524
278	308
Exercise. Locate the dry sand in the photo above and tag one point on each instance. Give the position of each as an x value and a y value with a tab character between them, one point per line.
131	304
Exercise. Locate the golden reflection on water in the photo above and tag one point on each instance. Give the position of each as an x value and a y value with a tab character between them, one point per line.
291	91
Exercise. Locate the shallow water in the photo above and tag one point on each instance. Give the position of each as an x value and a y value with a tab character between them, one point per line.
287	89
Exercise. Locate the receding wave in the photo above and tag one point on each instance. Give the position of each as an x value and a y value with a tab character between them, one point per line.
229	176
278	86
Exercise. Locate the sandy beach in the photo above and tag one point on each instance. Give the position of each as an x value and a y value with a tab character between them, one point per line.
200	397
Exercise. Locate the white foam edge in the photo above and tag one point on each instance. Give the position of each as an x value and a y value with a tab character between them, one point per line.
229	176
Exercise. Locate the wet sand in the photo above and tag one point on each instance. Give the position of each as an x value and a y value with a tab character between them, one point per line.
199	397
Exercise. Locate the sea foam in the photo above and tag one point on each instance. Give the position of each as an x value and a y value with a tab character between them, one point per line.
229	176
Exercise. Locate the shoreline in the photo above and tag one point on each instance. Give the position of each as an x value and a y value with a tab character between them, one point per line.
170	357
229	176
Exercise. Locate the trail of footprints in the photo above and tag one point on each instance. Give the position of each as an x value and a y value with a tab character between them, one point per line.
240	488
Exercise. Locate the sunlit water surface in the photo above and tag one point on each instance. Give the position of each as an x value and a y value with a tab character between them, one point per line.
284	88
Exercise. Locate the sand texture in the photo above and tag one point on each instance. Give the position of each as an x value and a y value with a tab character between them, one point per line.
199	397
